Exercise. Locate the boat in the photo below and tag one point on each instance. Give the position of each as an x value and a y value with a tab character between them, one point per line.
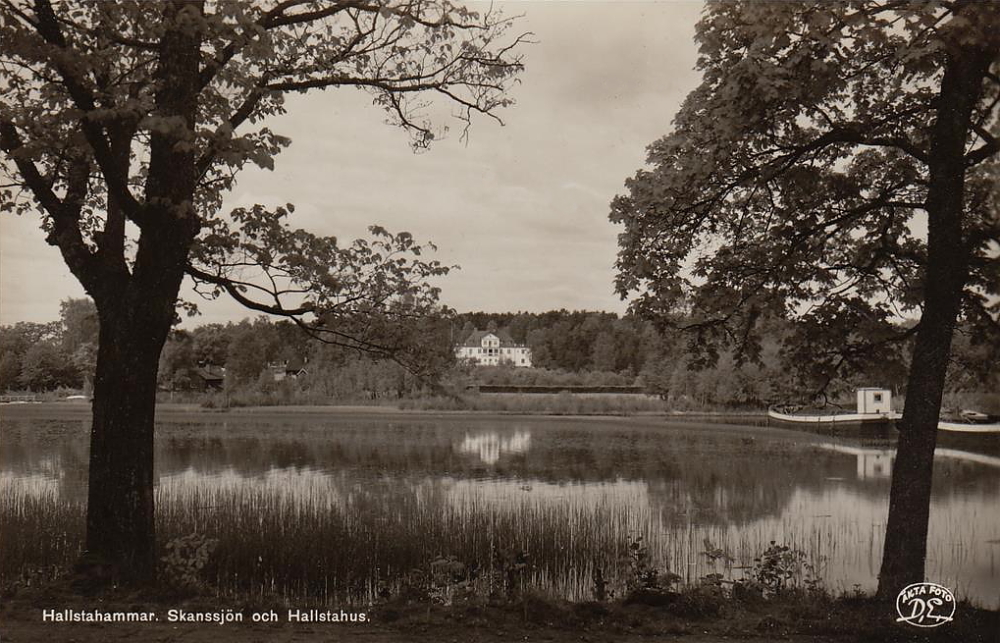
968	415
788	415
970	428
874	408
971	433
962	432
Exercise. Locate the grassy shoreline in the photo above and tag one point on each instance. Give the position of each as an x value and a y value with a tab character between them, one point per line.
82	408
686	616
693	613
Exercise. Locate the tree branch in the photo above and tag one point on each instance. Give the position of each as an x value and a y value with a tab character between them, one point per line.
48	28
270	20
65	213
988	149
233	289
316	330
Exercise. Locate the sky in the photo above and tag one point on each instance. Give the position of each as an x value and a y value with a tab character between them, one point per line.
522	209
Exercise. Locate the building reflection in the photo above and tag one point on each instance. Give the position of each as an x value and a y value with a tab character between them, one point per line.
872	464
592	484
490	447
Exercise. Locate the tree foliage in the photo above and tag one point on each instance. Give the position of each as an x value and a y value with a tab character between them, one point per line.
660	362
837	166
91	133
124	125
795	180
59	354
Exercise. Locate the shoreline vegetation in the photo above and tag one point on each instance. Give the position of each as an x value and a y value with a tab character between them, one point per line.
475	590
258	362
690	615
438	599
490	404
563	403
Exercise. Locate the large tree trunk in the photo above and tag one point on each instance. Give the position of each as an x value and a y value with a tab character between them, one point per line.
120	512
910	495
947	268
136	311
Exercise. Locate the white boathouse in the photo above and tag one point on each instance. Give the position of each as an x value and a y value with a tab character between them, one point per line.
874	400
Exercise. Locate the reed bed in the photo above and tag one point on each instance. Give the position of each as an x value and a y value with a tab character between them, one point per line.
347	538
374	541
542	403
376	538
41	533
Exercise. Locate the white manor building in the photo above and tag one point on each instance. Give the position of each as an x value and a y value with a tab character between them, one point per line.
493	347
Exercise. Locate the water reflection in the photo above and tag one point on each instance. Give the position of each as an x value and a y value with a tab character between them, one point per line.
490	447
872	463
304	487
595	482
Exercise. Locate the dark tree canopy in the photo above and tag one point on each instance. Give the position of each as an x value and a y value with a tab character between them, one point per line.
837	166
795	181
99	139
123	125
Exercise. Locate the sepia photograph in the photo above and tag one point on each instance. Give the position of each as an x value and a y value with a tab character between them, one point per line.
524	320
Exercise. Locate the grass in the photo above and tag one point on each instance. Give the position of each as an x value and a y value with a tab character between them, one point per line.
357	549
536	403
55	395
542	403
358	538
421	559
349	533
375	540
691	613
25	514
379	538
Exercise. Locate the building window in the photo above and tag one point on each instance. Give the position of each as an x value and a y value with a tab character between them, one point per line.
877	397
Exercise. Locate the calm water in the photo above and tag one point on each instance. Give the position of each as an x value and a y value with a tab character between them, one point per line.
680	486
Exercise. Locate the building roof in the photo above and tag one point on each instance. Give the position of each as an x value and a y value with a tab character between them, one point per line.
475	338
211	373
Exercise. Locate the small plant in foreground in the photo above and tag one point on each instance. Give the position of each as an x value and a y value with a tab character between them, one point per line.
776	566
443	581
713	583
185	558
644	576
778	569
647	586
600	589
450	579
715	554
513	567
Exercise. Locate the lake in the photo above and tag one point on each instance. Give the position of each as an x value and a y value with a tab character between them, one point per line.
356	505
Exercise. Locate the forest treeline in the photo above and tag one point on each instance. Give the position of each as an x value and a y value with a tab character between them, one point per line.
264	361
55	355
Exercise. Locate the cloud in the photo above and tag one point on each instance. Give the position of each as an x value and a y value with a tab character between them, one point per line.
522	208
33	277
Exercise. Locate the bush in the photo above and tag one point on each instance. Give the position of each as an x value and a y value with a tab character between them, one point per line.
185	559
780	569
